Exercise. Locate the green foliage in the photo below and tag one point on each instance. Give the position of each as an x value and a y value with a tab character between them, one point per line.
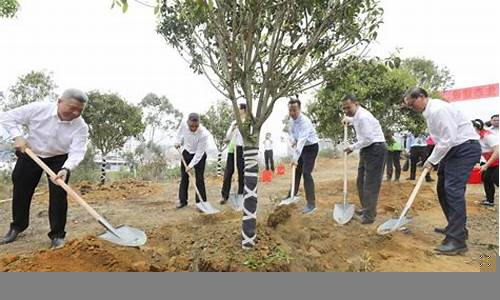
87	169
159	113
379	85
217	120
111	121
265	50
30	87
256	262
429	75
8	8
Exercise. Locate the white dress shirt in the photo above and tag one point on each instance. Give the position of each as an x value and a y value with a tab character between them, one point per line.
193	142
302	133
231	134
494	130
368	130
447	126
268	144
48	136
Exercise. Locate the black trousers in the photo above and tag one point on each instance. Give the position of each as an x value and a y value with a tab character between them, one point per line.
453	172
199	170
393	159
268	157
490	179
228	173
25	178
370	173
305	166
418	154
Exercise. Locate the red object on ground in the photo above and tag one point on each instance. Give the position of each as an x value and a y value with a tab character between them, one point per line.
475	176
266	176
280	169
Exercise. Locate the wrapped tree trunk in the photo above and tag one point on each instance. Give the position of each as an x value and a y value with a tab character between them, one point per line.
219	164
249	221
103	170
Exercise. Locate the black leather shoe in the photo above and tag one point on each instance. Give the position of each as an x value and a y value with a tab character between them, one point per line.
365	220
440	230
56	243
181	205
452	247
429	180
9	237
359	212
223	201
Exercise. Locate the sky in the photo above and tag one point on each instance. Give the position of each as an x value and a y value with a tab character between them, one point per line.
87	45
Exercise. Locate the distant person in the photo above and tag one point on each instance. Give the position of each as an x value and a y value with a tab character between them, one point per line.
417	147
489	170
494	124
457	150
235	144
268	152
394	149
372	147
193	138
58	135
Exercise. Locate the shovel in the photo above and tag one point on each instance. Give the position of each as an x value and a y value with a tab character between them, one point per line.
236	199
292	198
203	206
343	213
395	224
122	235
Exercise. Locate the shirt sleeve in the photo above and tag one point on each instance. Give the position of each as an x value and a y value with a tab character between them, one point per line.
303	134
12	120
77	148
179	139
200	150
491	141
229	133
364	136
448	128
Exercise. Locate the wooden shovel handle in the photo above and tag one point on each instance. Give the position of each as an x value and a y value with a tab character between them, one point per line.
63	184
414	193
189	175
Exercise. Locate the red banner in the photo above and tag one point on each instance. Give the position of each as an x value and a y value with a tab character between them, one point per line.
475	92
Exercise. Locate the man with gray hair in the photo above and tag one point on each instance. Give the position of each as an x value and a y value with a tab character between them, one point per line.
57	134
193	138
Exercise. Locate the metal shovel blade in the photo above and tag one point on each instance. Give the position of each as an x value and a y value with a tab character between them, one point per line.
125	235
289	200
206	209
392	225
236	202
342	214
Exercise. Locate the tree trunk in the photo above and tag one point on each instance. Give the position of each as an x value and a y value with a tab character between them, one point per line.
219	164
103	170
249	220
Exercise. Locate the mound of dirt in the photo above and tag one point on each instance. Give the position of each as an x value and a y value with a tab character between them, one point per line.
118	190
279	216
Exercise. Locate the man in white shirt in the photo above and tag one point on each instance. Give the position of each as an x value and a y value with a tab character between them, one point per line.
371	143
58	135
494	124
268	152
305	143
457	150
193	137
235	143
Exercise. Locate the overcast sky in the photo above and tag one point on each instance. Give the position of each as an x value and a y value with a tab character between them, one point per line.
87	45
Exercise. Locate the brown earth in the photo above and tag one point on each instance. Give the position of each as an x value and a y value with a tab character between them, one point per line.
188	241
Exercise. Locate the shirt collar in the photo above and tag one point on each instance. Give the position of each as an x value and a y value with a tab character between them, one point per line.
427	109
358	113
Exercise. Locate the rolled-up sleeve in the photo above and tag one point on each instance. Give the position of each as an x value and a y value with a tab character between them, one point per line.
12	120
447	127
77	148
200	150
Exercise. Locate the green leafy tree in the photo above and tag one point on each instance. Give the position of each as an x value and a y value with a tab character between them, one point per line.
159	113
217	120
429	75
30	87
8	8
379	85
263	51
112	121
